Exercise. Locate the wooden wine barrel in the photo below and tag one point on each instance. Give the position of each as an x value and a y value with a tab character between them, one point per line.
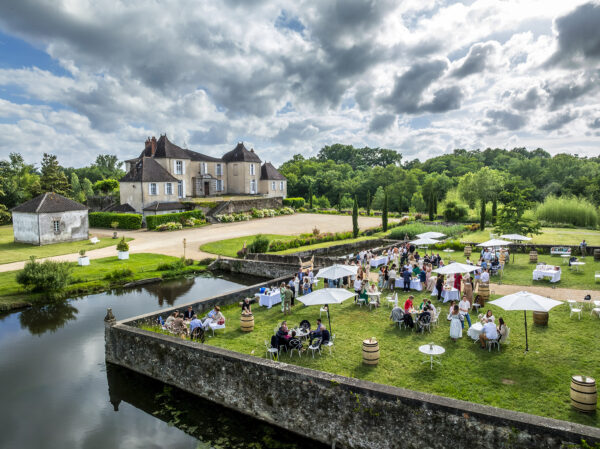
597	254
540	318
502	258
484	293
584	394
533	256
370	351
247	323
468	251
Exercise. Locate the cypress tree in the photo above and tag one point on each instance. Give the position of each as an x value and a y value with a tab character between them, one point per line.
482	217
355	218
368	202
384	215
310	196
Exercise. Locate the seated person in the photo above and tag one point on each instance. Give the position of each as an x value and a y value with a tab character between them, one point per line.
325	337
283	334
489	317
178	326
363	297
432	308
416	270
572	259
423	304
213	317
424	318
502	330
318	332
194	323
408	304
294	342
188	314
170	319
489	332
397	314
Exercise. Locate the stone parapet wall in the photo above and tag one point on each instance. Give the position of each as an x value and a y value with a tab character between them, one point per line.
347	412
270	270
238	205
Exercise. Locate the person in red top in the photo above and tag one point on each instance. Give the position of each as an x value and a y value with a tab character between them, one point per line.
457	282
408	304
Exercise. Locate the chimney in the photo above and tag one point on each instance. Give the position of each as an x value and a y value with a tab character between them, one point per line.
153	145
147	147
251	150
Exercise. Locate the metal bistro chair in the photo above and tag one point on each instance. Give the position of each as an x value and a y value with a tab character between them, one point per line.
490	343
272	352
295	348
315	346
425	323
329	344
574	308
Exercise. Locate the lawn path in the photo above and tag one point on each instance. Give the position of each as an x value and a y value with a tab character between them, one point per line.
171	243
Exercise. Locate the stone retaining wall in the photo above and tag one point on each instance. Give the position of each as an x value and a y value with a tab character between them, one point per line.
270	270
337	410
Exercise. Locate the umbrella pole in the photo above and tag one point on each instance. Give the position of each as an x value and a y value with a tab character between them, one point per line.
329	319
526	342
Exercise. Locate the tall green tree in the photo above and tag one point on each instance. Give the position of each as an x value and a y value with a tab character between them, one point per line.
53	178
78	194
86	188
18	181
368	203
516	200
355	218
310	196
106	186
384	214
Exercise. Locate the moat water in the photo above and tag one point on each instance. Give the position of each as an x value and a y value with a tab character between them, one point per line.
58	392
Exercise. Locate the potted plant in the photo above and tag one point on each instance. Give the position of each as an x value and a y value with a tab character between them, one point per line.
114	225
123	249
83	259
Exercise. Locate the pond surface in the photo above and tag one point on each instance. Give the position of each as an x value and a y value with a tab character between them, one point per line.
57	391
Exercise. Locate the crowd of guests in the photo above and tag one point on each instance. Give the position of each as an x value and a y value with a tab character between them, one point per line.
185	323
295	339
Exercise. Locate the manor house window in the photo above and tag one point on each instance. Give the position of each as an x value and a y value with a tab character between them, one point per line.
178	167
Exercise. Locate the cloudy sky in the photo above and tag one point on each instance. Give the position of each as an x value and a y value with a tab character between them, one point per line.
83	77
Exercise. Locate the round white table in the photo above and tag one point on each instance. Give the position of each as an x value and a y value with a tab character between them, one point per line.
565	257
577	265
431	350
475	331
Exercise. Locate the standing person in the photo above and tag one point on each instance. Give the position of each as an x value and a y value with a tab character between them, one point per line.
423	279
455	319
392	278
296	288
439	286
457	282
357	285
485	277
583	248
468	289
381	278
406	276
463	307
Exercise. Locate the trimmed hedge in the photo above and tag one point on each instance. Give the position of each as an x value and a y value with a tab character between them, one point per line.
296	203
104	220
281	245
152	221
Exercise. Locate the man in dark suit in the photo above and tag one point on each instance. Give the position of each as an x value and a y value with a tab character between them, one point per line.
188	314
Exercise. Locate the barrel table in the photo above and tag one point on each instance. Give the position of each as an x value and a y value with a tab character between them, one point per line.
597	254
540	318
247	323
370	350
533	256
583	394
468	250
484	294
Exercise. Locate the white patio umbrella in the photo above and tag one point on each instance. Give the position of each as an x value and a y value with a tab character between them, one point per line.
326	296
526	301
337	271
515	237
456	267
495	243
424	242
431	235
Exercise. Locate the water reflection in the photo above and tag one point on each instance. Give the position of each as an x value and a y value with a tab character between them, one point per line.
48	318
167	293
211	423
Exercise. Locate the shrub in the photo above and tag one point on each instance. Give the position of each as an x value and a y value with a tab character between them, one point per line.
49	276
152	221
170	226
124	221
122	245
473	227
573	210
296	203
206	261
454	211
418	216
81	252
260	244
119	274
176	265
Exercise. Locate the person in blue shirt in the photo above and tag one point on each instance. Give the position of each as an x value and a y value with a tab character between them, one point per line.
195	323
406	276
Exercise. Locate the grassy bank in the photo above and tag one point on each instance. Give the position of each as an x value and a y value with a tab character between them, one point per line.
536	383
15	252
549	236
89	279
323	245
230	247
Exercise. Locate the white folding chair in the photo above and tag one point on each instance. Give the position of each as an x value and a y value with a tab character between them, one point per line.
329	343
574	308
272	352
597	276
322	310
316	346
393	300
490	343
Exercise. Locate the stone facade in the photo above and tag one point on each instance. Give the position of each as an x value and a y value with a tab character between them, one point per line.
271	270
340	411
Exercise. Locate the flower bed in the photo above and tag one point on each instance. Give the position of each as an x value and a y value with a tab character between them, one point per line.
254	213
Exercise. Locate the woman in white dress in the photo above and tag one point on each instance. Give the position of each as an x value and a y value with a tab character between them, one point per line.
455	319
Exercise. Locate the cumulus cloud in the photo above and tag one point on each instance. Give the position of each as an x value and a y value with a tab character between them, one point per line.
404	75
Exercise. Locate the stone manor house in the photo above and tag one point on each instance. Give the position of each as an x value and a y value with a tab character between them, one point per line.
164	174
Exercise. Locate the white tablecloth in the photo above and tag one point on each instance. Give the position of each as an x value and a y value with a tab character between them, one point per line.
448	295
269	300
376	261
475	330
546	272
415	284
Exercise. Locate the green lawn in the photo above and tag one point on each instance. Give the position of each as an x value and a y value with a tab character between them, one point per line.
520	272
15	252
536	383
323	245
230	247
549	236
90	278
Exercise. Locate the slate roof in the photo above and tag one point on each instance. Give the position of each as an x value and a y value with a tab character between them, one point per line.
268	172
49	202
146	169
120	208
241	154
202	157
164	148
156	206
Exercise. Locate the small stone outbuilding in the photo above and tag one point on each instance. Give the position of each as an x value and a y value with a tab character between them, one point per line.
50	218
